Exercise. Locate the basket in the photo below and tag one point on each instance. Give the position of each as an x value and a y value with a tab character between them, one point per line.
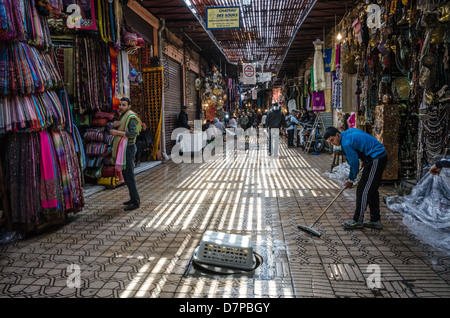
229	250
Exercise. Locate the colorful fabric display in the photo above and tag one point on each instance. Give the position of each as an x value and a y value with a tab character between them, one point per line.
23	179
96	149
67	109
108	139
108	116
92	83
93	135
48	171
30	112
46	181
35	26
110	171
70	174
25	70
78	143
11	21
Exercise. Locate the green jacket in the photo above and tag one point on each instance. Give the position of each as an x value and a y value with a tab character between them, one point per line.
132	130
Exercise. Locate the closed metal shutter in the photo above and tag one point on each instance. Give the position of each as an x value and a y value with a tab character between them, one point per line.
192	98
172	99
327	119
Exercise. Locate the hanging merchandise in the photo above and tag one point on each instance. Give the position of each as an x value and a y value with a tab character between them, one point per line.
434	131
318	101
26	70
319	83
153	93
337	89
42	167
47	175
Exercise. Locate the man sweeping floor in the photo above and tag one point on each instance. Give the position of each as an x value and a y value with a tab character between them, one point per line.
359	145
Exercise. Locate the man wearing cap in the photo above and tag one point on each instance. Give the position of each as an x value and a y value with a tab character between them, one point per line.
183	118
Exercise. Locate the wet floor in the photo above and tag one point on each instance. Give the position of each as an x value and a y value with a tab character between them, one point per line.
149	252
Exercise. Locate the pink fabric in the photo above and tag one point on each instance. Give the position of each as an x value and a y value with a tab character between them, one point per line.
48	176
351	121
121	150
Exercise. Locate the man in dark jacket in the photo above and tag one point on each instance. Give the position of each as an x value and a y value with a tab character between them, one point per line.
275	119
143	141
183	118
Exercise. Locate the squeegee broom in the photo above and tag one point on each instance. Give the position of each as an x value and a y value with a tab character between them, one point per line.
310	228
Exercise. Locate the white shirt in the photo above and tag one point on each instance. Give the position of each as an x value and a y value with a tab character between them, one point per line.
263	119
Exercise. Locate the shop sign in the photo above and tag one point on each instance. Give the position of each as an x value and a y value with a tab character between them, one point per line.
249	73
263	77
223	18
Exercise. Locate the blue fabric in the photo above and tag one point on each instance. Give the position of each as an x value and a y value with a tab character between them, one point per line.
443	163
327	54
293	120
358	144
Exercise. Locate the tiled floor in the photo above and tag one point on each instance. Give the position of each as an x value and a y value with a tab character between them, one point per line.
148	252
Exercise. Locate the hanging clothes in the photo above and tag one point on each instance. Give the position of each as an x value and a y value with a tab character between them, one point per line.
23	177
318	101
48	184
327	58
318	67
337	90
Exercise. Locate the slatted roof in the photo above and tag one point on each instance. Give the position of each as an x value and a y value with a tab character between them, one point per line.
278	34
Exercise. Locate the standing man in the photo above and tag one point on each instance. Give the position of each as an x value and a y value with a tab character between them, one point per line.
292	122
243	121
129	126
275	118
183	118
359	145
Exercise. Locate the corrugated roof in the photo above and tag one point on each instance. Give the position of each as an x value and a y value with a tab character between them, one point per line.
277	33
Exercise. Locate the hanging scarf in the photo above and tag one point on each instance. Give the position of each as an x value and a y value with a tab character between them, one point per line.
78	144
113	54
65	103
48	172
23	179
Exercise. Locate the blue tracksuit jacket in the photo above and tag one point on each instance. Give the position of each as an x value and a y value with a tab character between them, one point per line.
359	145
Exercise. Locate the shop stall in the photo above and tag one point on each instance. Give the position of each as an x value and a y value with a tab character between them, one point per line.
387	72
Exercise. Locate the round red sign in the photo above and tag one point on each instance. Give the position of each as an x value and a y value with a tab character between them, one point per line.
249	71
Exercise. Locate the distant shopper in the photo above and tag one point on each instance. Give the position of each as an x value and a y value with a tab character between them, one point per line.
292	122
232	123
183	118
311	118
359	145
263	120
206	125
219	125
243	121
274	120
